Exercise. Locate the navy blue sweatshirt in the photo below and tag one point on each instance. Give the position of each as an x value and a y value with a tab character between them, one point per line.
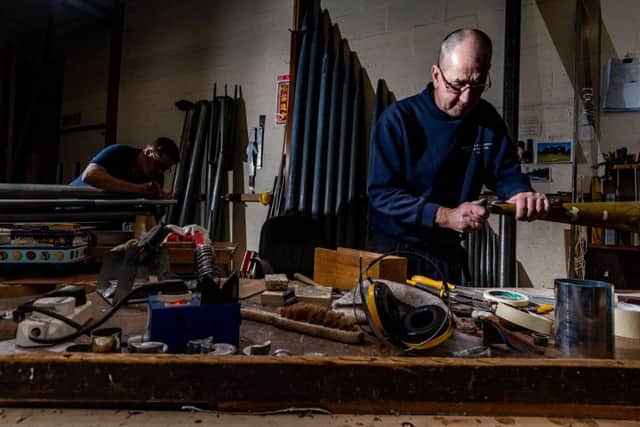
422	159
120	161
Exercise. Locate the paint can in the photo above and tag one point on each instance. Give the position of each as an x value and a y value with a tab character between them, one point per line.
584	321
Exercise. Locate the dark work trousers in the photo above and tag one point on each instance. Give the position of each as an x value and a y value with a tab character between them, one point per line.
449	257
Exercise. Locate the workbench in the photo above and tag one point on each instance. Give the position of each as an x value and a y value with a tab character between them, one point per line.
367	378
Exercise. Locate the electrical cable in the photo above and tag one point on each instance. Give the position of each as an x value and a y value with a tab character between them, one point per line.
58	316
26	307
87	329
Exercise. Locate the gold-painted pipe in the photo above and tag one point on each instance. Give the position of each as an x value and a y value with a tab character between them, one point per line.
623	216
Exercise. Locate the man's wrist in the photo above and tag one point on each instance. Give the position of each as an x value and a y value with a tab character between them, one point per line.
442	216
142	188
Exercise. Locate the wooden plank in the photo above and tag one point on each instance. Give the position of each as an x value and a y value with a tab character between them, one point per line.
390	268
309	294
306	417
250	287
178	254
341	268
14	287
626	166
533	387
348	383
18	291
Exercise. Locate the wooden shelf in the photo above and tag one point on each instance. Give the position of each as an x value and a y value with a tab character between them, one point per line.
626	166
179	253
615	247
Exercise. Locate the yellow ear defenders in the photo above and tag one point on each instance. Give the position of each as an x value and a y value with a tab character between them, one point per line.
418	328
394	322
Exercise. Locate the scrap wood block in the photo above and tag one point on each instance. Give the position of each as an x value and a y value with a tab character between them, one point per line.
317	295
250	287
278	298
341	268
276	282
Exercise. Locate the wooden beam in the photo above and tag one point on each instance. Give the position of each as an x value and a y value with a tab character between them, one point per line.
113	84
532	387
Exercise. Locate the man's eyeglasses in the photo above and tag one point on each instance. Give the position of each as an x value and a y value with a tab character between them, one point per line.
457	88
159	162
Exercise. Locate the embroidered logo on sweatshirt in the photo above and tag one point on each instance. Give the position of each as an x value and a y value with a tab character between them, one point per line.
477	147
484	142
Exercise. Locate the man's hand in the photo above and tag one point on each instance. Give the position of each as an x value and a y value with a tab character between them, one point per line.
154	190
98	177
530	205
465	218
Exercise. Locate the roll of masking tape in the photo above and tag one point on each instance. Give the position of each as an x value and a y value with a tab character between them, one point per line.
531	321
515	299
627	320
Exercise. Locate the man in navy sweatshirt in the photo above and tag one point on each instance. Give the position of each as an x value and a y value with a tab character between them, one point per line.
432	153
126	169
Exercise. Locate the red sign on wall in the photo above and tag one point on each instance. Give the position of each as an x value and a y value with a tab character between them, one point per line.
282	105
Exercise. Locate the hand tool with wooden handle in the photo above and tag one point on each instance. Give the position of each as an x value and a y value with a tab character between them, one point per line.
623	216
348	337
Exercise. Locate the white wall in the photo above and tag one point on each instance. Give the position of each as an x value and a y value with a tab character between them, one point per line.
398	40
174	50
177	50
546	96
620	37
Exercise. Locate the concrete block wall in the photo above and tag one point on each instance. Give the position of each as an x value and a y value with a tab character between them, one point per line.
177	50
174	50
546	94
399	41
620	37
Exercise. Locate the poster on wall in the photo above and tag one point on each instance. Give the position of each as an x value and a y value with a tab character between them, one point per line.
282	102
529	126
538	174
622	85
554	151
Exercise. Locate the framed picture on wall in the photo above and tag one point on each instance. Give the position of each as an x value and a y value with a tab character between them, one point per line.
538	174
554	151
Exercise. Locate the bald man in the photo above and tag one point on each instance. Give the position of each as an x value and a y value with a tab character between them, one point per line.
432	153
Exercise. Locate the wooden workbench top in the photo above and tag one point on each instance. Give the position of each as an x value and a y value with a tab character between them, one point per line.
364	378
